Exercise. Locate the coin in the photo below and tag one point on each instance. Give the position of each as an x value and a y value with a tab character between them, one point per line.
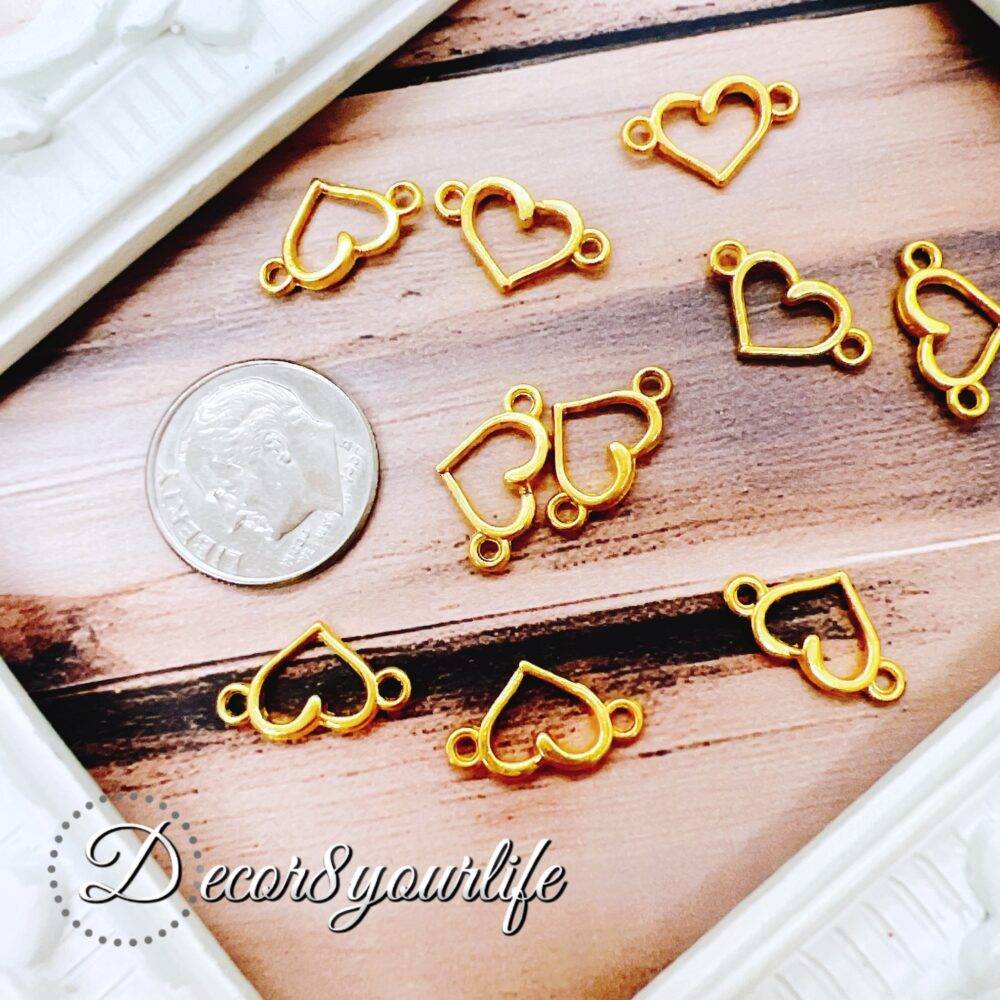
261	472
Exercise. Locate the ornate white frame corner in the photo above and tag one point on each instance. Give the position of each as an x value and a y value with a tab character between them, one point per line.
898	898
41	955
118	118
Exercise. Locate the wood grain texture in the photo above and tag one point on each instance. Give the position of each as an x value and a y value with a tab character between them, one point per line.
764	468
477	36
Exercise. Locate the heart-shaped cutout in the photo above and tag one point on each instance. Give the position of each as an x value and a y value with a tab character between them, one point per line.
777	103
284	274
480	738
490	544
848	345
568	510
516	247
312	714
750	597
586	248
966	395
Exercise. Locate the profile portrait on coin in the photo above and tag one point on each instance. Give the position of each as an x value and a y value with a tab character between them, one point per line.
261	472
260	460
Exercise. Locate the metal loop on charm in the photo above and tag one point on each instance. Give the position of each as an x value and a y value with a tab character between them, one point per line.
447	192
630	708
466	734
639	134
771	105
854	349
405	689
517	393
565	514
275	279
653	382
891	691
784	101
968	401
312	714
230	691
731	594
881	679
593	250
477	740
406	198
488	554
921	255
726	257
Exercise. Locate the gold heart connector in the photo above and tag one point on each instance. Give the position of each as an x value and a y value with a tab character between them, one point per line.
777	103
489	547
752	598
588	249
569	509
312	713
478	743
921	263
281	275
849	346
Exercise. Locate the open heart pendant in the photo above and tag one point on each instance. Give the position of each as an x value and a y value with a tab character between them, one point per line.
472	745
312	714
489	547
751	598
848	345
965	394
281	275
777	103
569	509
587	249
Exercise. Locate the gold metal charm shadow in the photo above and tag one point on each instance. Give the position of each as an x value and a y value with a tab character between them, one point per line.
569	509
965	394
809	656
312	713
478	739
489	547
777	103
587	249
848	345
281	275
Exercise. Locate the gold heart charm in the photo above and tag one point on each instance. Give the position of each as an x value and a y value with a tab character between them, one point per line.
478	740
777	103
312	713
568	510
489	547
281	275
965	394
848	345
588	249
750	597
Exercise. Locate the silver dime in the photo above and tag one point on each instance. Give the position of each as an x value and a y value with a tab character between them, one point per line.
261	472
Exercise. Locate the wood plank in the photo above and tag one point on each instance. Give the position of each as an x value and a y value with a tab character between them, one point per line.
740	764
476	34
768	469
699	503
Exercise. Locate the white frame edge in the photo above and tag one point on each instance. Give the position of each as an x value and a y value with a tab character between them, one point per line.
941	802
39	950
326	53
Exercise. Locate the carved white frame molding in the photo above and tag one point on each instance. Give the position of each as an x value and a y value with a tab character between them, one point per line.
898	898
41	954
118	118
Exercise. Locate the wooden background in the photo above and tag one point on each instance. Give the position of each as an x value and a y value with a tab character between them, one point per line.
764	468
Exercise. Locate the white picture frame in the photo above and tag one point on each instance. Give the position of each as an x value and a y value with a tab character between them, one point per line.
42	954
899	897
119	118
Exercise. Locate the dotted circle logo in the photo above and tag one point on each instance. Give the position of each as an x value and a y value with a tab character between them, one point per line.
74	834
